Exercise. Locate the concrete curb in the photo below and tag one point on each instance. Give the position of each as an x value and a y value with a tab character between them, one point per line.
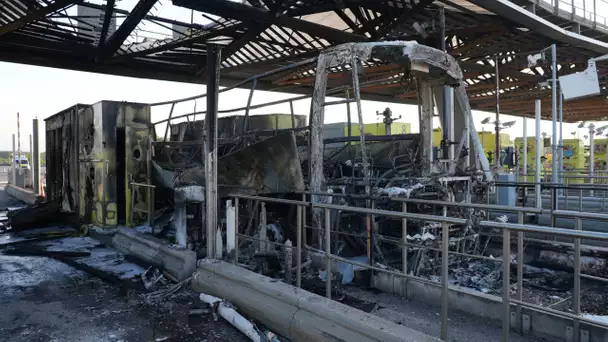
178	263
22	194
294	313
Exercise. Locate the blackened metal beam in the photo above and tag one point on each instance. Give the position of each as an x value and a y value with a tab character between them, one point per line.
233	10
139	11
416	9
348	21
213	87
182	42
106	25
237	44
37	15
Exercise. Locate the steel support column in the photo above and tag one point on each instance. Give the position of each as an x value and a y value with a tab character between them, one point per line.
213	84
554	113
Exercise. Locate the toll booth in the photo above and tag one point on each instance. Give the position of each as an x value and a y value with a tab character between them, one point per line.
93	155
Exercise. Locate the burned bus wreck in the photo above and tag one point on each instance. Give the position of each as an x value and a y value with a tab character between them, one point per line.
97	153
288	158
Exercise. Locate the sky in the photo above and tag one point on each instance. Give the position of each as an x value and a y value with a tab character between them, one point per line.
40	92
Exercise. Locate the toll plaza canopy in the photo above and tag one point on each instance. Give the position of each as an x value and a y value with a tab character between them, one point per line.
168	41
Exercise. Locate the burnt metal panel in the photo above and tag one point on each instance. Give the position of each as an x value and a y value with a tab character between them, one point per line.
62	142
81	157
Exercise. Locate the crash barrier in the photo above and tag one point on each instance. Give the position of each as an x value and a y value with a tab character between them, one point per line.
292	312
24	195
180	264
517	320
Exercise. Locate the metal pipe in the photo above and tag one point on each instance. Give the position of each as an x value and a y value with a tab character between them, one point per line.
248	107
395	214
569	233
299	247
576	293
293	115
520	270
236	230
404	239
327	253
169	122
539	203
250	79
554	113
445	232
506	280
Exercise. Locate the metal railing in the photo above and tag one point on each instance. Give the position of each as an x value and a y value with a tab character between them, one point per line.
445	221
580	9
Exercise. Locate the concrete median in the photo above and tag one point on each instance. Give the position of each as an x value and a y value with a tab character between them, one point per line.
24	195
179	263
295	313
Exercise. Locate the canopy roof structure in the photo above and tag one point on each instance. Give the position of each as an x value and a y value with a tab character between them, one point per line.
261	35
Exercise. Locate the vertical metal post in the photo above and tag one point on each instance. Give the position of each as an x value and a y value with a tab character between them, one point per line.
561	140
539	203
236	230
554	201
327	253
14	165
497	123
520	269
299	220
18	142
293	115
447	124
594	13
213	82
357	95
576	293
506	279
467	161
445	232
525	151
304	221
249	99
554	113
315	148
404	238
31	158
36	158
169	122
591	156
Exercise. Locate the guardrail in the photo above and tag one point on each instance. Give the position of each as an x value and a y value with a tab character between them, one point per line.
445	222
